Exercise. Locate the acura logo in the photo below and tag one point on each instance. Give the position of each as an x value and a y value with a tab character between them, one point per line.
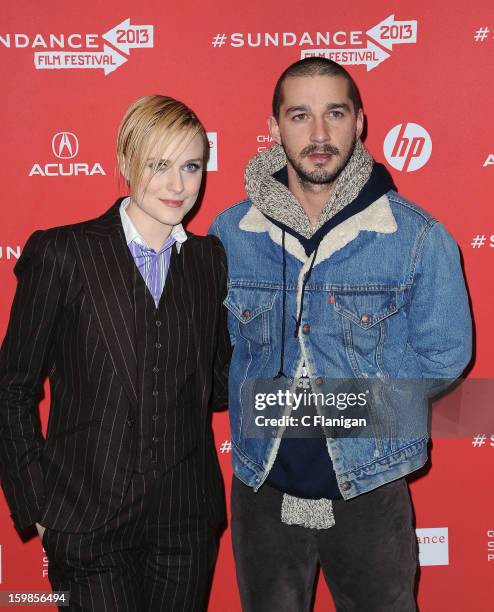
65	145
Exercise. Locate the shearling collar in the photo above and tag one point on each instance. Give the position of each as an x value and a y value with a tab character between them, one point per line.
377	217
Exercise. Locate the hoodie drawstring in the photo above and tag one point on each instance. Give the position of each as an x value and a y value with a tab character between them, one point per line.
282	357
297	320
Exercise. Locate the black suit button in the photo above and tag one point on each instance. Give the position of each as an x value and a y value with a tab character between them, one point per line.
155	393
155	439
155	417
156	369
158	345
129	422
158	323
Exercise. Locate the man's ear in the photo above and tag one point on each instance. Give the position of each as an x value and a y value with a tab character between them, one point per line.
360	122
274	129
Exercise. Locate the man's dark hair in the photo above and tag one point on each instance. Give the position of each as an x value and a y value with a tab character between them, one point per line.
315	66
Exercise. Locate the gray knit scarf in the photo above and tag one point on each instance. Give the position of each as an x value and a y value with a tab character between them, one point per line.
276	201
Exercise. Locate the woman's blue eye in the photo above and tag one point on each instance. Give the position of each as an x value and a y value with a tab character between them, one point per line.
193	167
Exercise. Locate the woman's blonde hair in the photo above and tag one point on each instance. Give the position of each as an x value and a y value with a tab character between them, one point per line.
148	121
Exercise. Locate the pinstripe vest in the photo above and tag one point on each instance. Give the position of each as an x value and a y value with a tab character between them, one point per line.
167	412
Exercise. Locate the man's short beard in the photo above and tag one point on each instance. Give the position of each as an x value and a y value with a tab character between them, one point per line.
319	176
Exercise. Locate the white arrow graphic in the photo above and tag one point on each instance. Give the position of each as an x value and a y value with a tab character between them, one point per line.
379	55
107	60
390	32
125	36
371	56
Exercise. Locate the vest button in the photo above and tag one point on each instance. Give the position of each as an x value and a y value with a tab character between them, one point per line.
306	328
155	439
155	392
319	381
158	323
155	417
129	422
246	313
346	486
158	345
156	369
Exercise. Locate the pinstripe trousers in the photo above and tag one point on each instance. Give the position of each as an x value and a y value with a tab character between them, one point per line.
157	553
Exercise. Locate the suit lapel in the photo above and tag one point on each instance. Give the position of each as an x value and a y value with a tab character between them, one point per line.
105	261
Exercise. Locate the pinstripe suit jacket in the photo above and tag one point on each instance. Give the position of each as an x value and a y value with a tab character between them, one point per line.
72	320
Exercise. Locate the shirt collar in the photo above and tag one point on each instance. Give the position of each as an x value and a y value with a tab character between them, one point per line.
132	235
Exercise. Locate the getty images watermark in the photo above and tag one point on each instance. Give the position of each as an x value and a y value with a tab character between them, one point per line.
303	401
302	408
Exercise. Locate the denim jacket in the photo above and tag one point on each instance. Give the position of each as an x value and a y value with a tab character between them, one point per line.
385	301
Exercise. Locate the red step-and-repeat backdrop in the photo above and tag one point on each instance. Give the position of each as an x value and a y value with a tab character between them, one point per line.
69	71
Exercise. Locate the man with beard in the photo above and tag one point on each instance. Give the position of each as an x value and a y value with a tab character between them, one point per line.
334	278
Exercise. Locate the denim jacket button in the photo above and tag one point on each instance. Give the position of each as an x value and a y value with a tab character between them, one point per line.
306	328
246	313
319	381
365	318
346	486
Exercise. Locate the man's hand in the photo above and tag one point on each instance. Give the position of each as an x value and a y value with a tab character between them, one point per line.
41	530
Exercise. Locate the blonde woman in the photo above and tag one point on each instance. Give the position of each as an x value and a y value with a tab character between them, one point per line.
124	313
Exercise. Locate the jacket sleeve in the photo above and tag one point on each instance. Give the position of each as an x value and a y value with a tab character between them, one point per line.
224	350
23	361
440	325
214	230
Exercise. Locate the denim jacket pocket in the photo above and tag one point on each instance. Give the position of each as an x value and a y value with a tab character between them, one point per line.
366	309
250	308
363	317
366	317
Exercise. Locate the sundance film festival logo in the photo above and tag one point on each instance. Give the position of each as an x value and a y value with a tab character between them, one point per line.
355	47
65	146
83	51
387	33
433	546
407	147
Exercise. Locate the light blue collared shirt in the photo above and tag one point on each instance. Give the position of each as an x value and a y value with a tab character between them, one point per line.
152	265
